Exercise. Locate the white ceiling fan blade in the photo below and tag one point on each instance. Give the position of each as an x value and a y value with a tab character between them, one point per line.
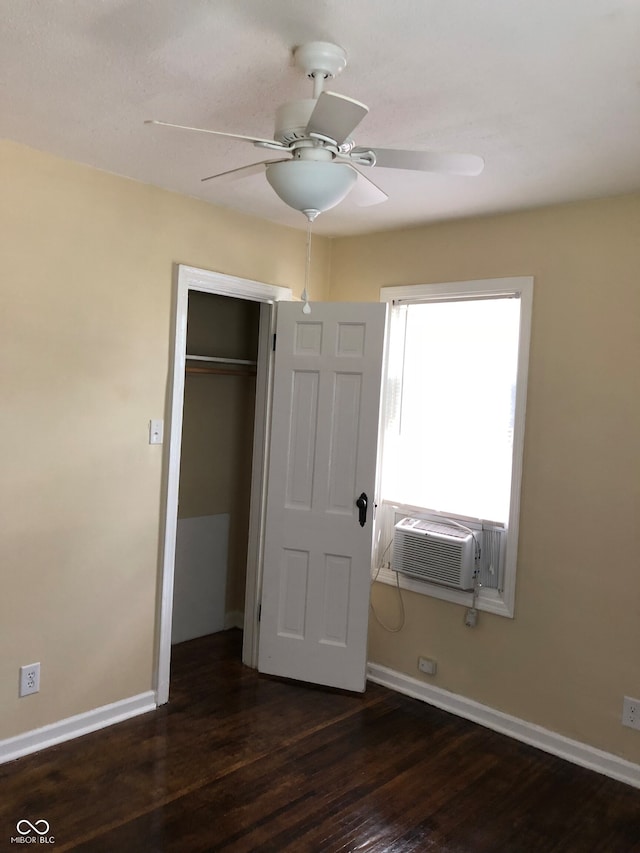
335	116
247	171
366	193
254	139
425	161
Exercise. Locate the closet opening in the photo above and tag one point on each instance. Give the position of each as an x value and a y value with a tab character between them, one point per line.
214	490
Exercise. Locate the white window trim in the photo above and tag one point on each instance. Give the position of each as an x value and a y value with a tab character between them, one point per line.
493	601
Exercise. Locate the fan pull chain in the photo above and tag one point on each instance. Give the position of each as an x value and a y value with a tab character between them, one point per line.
306	308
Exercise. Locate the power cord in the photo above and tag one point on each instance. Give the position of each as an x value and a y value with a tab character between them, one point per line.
402	611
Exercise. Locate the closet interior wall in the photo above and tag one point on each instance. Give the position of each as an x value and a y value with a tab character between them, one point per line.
215	466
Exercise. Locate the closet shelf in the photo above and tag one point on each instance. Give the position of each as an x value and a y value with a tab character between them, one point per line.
219	360
222	371
211	364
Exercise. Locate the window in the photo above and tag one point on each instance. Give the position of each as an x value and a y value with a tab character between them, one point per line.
454	400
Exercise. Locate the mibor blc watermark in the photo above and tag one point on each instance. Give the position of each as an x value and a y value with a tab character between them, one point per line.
33	833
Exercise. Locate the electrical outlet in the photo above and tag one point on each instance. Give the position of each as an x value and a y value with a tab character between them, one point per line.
427	665
631	712
29	679
471	617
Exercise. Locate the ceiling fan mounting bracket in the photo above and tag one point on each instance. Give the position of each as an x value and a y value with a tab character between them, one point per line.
363	158
275	146
321	59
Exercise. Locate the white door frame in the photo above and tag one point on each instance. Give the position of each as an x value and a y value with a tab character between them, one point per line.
191	278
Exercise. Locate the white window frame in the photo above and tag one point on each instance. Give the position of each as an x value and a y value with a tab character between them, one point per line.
501	602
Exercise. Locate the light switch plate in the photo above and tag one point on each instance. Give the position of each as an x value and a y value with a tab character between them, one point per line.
156	431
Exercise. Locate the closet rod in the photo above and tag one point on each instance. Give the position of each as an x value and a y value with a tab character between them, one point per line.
219	360
220	371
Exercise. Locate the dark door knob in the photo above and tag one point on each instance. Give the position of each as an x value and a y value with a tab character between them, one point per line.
362	503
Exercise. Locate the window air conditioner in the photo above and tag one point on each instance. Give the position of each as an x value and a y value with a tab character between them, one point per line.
434	552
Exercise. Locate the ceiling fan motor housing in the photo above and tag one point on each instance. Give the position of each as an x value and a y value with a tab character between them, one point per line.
292	119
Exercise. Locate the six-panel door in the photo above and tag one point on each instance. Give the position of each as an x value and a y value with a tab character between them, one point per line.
317	555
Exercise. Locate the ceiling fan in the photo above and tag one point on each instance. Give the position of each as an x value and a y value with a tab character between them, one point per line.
322	163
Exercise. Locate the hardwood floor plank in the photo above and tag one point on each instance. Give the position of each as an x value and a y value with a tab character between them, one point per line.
238	762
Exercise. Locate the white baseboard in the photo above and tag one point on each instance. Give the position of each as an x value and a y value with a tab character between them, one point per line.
233	619
72	727
571	750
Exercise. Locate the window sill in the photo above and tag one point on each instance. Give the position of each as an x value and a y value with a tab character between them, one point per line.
489	600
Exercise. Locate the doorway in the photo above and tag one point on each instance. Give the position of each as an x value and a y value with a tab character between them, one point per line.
194	285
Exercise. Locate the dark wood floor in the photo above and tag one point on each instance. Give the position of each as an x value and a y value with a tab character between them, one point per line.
240	762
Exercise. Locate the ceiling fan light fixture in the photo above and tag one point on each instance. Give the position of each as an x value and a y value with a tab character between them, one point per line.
311	185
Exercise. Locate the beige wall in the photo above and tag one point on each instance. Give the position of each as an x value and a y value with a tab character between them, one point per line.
86	297
87	263
570	654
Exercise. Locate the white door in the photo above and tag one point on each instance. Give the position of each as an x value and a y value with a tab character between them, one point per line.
317	554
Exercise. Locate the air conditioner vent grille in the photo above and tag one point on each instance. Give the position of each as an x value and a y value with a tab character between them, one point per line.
435	552
443	562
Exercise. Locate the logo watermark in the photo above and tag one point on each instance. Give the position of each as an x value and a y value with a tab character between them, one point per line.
33	833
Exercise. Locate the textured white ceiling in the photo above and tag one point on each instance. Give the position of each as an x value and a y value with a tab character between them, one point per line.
547	91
